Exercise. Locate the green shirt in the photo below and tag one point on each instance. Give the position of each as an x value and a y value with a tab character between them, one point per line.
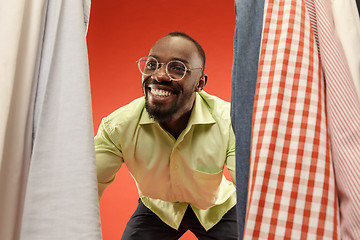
172	173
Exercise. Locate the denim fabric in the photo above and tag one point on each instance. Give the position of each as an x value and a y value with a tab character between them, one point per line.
247	38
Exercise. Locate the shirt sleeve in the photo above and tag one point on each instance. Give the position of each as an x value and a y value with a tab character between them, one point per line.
230	155
108	157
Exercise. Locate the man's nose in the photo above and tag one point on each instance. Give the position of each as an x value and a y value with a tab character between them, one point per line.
161	74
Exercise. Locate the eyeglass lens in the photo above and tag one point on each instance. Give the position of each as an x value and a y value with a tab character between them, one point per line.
150	65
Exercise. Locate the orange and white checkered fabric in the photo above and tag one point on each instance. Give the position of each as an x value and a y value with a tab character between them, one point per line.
292	193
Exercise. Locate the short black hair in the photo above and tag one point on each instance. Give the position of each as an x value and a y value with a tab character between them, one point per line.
198	46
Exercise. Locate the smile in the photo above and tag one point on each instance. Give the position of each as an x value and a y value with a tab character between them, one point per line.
160	92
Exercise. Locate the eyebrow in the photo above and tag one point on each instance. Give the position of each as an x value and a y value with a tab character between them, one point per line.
179	59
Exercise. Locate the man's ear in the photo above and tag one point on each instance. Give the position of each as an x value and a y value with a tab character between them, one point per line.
201	84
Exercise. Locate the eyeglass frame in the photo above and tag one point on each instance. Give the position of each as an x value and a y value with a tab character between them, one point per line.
159	65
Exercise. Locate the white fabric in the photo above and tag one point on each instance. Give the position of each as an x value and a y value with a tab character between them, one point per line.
347	25
61	199
21	32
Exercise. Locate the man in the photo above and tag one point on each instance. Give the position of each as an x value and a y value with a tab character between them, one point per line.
175	142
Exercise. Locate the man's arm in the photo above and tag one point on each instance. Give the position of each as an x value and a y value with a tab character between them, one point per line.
108	158
230	156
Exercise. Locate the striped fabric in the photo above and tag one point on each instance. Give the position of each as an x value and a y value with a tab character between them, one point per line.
292	192
343	116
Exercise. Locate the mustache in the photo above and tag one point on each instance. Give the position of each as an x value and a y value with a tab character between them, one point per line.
169	84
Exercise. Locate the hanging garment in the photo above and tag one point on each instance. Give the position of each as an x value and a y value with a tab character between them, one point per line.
305	125
347	27
292	185
21	32
59	204
249	15
343	108
61	199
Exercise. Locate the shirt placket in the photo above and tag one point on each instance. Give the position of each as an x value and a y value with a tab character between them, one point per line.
176	172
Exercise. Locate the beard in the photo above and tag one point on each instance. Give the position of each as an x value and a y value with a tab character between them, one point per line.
158	111
159	114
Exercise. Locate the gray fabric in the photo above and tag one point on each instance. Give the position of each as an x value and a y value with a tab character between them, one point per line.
87	7
247	38
61	198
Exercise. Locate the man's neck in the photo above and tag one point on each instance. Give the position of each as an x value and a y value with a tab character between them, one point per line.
178	122
176	126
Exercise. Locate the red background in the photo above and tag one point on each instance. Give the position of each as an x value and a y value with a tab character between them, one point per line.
122	31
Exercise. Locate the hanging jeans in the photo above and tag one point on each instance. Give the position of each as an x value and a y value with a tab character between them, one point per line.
249	16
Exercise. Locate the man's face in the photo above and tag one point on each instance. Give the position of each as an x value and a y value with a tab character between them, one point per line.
165	98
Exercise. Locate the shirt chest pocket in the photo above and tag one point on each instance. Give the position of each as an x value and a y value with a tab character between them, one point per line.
206	152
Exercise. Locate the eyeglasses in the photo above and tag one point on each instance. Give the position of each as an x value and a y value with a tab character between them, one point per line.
175	69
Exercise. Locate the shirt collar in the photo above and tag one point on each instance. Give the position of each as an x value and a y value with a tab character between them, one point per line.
200	113
144	117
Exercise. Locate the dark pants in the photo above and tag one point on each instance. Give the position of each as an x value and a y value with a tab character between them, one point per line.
145	225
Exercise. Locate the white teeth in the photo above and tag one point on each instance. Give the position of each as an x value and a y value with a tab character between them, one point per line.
160	92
